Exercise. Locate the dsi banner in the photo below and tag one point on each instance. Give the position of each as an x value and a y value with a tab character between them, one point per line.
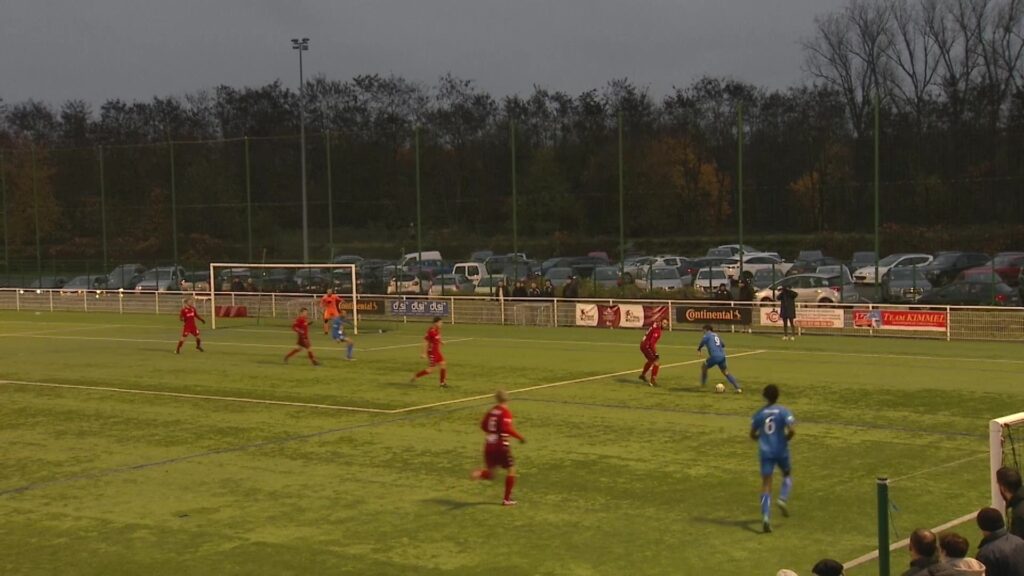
419	308
925	320
714	315
805	318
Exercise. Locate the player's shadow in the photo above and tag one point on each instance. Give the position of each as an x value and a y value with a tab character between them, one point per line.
688	389
452	505
748	525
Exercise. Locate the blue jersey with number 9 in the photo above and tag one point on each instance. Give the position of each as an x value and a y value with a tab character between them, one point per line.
770	423
714	344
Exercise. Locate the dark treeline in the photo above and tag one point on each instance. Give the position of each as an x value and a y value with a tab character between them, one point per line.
948	76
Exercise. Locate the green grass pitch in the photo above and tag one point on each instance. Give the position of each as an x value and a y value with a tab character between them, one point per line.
616	477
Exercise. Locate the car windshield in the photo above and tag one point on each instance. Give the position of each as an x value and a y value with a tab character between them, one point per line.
1006	261
907	274
945	259
606	274
889	260
665	274
157	274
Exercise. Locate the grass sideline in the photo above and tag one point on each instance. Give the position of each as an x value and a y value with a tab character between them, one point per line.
616	477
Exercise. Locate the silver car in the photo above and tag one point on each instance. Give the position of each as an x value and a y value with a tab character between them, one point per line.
663	278
816	288
904	285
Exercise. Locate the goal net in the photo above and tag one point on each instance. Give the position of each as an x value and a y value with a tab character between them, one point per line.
243	294
1006	448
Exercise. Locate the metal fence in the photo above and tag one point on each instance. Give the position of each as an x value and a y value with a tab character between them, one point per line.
942	323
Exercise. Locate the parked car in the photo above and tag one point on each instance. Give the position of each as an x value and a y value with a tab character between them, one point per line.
196	281
348	259
599	254
866	274
473	271
125	276
229	279
754	262
862	259
972	293
948	265
734	249
558	276
49	282
765	277
406	283
697	264
489	284
835	270
429	268
414	257
1006	265
810	265
707	280
810	255
904	284
513	265
663	278
606	276
82	283
451	285
816	288
162	279
480	255
280	280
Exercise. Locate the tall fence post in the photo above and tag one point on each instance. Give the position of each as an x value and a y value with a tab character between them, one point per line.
3	208
248	198
883	526
35	215
330	194
739	183
103	207
174	207
622	219
515	198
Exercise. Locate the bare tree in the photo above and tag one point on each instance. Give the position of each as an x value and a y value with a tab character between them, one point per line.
914	54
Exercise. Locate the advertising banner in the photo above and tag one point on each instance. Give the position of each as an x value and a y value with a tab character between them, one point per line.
654	314
586	314
901	320
619	315
805	318
714	315
607	316
631	316
419	308
367	306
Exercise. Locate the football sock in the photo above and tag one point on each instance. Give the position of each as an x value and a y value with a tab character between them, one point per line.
654	371
510	481
444	375
421	374
180	342
292	353
787	485
311	358
732	380
647	366
348	354
766	505
199	343
703	378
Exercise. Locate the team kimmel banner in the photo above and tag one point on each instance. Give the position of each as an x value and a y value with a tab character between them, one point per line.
714	315
924	320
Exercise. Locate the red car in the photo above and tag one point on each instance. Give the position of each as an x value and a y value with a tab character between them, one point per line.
1007	266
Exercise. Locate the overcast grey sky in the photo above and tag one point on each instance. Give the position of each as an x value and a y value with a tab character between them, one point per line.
134	49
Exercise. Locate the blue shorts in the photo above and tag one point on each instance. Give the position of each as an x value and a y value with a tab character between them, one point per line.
711	362
768	464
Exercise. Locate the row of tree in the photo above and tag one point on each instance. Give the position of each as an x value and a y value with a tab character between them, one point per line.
947	76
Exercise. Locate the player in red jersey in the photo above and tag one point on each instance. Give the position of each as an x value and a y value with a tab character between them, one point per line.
188	315
497	427
432	352
301	327
649	347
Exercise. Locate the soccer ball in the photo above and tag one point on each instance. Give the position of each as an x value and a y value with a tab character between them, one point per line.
719	387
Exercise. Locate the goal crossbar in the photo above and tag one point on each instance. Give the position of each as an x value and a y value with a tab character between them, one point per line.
231	270
996	438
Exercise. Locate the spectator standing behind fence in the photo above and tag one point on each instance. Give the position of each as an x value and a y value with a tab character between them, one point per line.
1009	482
519	290
548	291
572	289
533	291
787	312
923	548
723	294
501	291
953	550
1002	553
746	291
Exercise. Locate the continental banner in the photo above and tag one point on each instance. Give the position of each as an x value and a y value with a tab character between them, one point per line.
373	306
714	315
805	318
619	315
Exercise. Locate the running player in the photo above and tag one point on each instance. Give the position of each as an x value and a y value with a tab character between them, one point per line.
432	352
338	333
301	328
331	305
716	357
649	348
189	315
772	427
497	427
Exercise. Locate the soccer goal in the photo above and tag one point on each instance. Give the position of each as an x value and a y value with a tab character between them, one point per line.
272	294
1006	448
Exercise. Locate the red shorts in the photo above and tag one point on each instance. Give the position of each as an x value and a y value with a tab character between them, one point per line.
498	455
190	331
649	353
435	358
303	341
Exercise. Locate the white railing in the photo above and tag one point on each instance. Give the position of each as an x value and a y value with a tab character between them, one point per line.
945	322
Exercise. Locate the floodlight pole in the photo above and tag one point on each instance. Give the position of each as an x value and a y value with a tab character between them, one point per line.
302	46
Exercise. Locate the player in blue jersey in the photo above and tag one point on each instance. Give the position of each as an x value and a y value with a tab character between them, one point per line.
338	333
716	357
772	427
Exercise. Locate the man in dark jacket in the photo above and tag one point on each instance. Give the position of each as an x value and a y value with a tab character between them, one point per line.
1002	553
923	548
723	293
787	312
746	291
572	289
519	290
1010	488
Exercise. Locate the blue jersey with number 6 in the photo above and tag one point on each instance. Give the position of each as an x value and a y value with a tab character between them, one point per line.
770	423
714	344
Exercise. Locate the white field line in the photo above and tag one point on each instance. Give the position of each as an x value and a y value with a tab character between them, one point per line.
902	544
939	467
196	396
562	383
410	345
51	331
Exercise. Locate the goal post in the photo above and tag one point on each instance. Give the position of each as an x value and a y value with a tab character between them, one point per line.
263	291
1006	448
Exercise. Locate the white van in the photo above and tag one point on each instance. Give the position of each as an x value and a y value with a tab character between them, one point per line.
414	257
473	271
